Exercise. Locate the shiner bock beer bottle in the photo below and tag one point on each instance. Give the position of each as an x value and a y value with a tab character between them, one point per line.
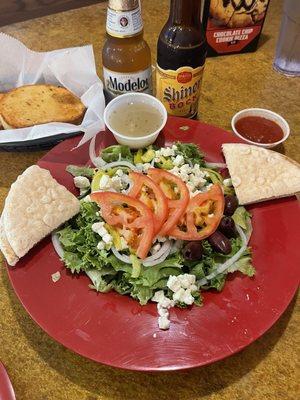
126	55
181	53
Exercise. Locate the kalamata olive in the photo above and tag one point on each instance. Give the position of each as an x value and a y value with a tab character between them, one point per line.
231	204
193	251
220	243
227	227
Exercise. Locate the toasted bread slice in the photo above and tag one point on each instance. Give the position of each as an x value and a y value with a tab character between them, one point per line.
39	104
260	174
35	205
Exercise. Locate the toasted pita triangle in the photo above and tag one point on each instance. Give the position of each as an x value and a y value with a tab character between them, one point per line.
5	247
260	174
35	205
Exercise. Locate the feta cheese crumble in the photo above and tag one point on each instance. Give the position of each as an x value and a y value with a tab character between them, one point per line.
165	152
178	160
56	276
182	287
117	183
104	182
107	240
193	176
163	306
81	182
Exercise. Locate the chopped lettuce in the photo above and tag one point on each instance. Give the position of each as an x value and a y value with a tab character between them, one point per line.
116	152
80	171
241	217
136	266
244	265
190	153
99	283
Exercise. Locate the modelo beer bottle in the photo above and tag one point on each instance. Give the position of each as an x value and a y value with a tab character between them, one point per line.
181	53
126	55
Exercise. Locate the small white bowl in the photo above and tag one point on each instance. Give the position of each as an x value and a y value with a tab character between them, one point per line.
135	142
262	112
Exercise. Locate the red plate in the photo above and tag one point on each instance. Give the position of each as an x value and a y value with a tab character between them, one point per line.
6	389
116	330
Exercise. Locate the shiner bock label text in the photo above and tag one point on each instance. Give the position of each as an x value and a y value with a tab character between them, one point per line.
179	90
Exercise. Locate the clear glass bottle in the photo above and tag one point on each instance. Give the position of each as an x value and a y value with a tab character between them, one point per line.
126	55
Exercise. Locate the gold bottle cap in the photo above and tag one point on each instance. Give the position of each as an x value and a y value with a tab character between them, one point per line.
123	5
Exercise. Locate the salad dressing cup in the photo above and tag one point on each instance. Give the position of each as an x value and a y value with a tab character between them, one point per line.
119	106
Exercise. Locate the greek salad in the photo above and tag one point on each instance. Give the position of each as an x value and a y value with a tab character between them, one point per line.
158	224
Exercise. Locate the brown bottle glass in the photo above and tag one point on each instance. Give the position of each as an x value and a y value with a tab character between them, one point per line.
181	53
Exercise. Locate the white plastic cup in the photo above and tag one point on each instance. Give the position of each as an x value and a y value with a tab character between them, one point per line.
135	142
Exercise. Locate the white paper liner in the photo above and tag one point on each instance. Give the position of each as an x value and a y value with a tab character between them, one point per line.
74	68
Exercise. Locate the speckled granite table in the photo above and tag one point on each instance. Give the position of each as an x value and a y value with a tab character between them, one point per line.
42	369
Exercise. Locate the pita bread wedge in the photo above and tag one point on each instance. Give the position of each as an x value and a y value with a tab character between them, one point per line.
260	174
6	248
39	104
35	205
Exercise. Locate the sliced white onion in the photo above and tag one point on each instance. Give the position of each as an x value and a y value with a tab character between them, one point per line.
156	261
160	256
166	247
122	257
223	267
215	165
56	244
242	234
97	161
119	164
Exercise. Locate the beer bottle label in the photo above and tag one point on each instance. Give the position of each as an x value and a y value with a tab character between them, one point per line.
117	83
179	90
124	23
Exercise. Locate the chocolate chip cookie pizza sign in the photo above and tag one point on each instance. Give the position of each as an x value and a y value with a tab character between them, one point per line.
238	13
234	24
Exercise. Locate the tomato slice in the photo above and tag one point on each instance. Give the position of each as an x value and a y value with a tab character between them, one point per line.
149	193
202	216
130	216
177	196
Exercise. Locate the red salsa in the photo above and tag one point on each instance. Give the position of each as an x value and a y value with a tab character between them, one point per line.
259	129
